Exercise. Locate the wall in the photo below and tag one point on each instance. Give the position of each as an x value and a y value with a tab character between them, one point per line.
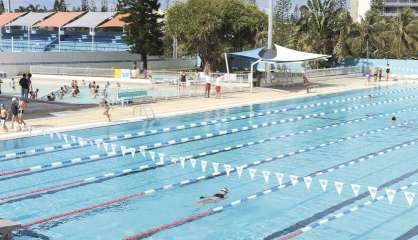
398	67
15	63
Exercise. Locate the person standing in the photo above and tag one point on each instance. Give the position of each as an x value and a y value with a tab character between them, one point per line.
3	117
106	107
387	72
218	87
207	84
21	110
380	74
14	109
24	84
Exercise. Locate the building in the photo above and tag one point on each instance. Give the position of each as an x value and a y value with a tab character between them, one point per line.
359	8
392	7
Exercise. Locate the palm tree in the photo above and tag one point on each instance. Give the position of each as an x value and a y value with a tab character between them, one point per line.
321	26
405	27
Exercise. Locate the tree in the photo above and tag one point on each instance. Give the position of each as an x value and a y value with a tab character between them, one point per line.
31	8
282	10
377	5
213	27
405	29
2	9
59	6
321	28
144	25
104	6
92	6
84	5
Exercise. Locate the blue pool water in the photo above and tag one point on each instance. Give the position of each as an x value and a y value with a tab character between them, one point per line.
331	138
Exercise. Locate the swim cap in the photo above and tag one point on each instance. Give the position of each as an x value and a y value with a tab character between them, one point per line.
225	190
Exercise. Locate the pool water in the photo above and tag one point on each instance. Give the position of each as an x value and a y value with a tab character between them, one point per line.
81	190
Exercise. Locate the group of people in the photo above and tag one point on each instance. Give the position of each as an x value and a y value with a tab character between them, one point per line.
14	114
377	73
208	84
27	91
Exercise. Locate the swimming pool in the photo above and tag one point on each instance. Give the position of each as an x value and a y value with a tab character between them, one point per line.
97	184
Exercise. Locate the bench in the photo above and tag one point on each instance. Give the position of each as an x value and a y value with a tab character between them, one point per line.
130	96
6	228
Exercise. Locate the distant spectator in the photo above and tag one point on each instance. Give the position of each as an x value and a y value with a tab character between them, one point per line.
380	74
207	83
387	72
306	83
30	81
218	87
24	84
13	84
106	107
375	73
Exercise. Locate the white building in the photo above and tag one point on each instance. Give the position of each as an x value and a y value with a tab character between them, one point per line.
359	8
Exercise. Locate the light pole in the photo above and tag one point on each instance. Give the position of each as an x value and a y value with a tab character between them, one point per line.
270	27
9	8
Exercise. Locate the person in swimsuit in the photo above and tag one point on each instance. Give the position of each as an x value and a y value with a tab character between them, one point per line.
14	108
306	83
222	194
387	72
106	106
3	117
393	119
21	110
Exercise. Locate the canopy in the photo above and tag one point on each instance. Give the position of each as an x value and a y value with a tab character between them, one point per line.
6	18
115	22
90	20
280	55
59	19
29	19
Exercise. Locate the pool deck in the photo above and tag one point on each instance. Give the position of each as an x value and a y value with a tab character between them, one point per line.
93	117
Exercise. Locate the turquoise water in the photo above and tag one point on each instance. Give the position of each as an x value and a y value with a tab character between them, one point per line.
254	219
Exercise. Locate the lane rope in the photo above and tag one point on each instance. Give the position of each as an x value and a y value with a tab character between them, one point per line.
216	174
76	140
211	211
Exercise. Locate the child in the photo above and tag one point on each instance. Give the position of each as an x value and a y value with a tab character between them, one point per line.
106	106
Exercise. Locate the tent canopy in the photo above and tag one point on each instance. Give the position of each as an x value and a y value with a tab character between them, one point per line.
90	20
6	18
59	19
280	55
29	19
115	22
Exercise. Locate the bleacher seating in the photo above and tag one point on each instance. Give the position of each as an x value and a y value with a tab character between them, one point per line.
70	42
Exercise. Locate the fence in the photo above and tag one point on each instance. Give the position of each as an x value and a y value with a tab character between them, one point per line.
72	71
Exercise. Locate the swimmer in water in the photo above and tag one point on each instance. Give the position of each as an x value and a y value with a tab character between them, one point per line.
222	194
393	119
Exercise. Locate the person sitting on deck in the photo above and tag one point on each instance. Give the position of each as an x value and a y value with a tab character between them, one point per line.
222	194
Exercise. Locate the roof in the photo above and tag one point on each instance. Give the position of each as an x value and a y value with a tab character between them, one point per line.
90	20
59	19
115	22
6	18
281	55
30	19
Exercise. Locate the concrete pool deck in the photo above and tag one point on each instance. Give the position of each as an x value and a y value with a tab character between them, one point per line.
93	117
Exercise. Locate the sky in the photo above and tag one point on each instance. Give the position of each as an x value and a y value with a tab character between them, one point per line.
49	3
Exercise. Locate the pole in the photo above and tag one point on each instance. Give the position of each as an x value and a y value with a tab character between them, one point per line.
13	44
29	46
270	37
367	46
270	27
59	39
92	39
9	8
227	66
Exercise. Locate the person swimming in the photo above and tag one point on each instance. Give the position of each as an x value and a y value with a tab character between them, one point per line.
393	119
221	194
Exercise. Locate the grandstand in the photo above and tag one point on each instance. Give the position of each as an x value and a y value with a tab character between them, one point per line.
62	32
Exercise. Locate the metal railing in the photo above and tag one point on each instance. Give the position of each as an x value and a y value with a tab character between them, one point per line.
72	71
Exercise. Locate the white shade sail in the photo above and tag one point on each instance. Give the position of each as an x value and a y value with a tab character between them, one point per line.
284	55
29	19
90	20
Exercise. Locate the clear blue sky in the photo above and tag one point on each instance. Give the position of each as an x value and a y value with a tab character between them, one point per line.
49	3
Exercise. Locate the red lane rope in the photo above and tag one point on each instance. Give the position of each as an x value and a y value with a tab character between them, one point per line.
81	210
291	235
14	172
176	223
40	190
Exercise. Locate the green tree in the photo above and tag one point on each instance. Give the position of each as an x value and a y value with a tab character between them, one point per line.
2	9
282	10
213	27
405	29
144	27
92	6
104	6
321	28
84	5
60	6
31	8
